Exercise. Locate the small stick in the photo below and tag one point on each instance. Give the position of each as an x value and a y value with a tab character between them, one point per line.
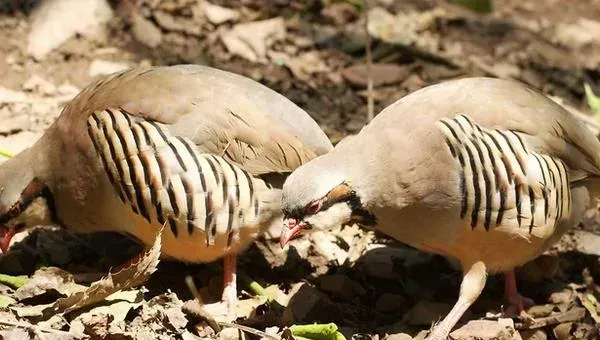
192	287
249	330
370	105
26	326
6	153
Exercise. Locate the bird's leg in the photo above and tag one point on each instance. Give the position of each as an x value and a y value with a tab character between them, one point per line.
230	285
470	289
517	302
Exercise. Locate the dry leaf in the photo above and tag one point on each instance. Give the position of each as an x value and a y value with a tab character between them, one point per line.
50	280
131	276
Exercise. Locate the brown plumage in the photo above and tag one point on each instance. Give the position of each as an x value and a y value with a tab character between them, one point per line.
485	171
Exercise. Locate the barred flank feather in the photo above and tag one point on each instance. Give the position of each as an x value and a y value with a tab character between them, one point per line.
166	180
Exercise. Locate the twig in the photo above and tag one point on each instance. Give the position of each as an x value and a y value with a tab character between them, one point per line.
370	109
249	330
6	153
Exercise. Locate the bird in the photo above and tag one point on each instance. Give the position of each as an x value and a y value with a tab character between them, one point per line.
198	152
484	171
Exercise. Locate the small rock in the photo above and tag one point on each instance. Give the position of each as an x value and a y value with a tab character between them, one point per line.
399	336
341	285
389	302
217	15
382	74
100	67
308	304
145	31
55	21
502	329
229	334
533	334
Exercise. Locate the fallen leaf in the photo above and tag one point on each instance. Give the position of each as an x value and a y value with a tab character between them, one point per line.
590	303
252	40
136	274
55	21
117	305
163	311
48	281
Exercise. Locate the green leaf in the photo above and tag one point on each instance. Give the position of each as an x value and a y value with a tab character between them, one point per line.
592	99
317	332
481	6
13	281
6	153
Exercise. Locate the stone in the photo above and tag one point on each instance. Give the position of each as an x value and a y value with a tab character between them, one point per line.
503	329
308	304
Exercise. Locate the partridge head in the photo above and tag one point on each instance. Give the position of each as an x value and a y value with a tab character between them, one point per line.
471	169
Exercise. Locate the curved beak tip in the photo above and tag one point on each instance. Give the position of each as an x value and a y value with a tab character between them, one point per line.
289	230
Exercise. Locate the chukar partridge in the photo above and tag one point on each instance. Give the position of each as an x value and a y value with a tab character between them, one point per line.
485	171
192	148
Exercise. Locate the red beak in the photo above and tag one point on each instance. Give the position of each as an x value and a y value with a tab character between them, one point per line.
291	228
5	236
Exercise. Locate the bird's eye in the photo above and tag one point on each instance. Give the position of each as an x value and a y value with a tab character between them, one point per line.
314	207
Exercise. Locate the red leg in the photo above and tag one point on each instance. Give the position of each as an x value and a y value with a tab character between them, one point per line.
5	236
517	302
230	284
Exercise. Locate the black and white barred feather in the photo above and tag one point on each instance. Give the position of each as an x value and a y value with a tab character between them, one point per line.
502	181
166	180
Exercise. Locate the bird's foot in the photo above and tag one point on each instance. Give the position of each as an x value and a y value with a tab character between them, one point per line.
230	285
230	299
517	306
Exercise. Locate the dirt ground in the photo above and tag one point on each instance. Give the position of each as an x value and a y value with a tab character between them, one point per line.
313	53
